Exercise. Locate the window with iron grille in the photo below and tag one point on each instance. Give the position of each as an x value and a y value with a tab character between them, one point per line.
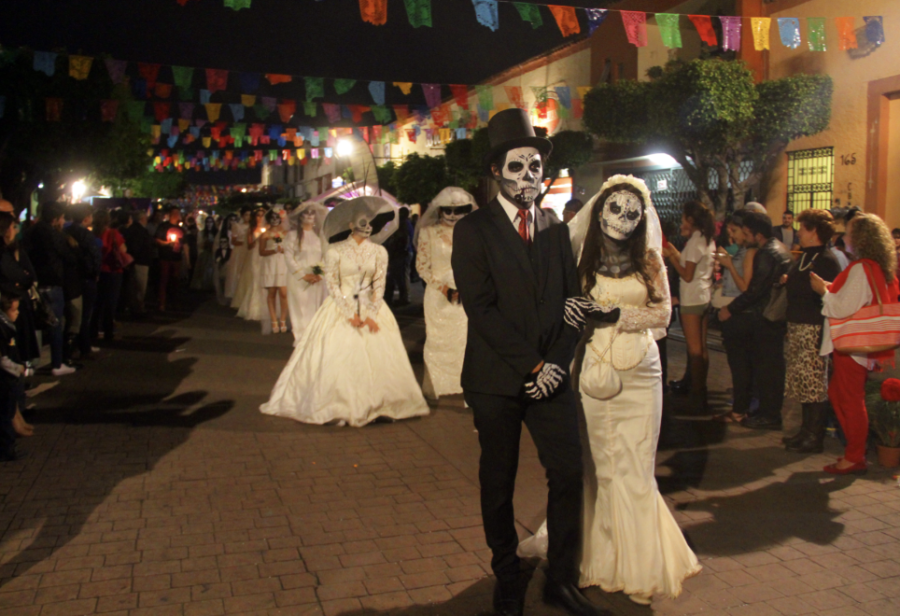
810	179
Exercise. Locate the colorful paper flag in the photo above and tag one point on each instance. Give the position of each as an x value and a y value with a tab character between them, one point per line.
460	95
402	112
237	5
80	67
161	111
635	23
205	96
731	33
276	78
566	19
237	111
432	93
108	110
486	13
595	18
45	62
162	90
382	114
216	79
148	72
760	27
342	86
213	110
418	12
874	30
250	82
815	27
135	110
286	110
789	30
54	109
373	11
703	23
332	112
376	89
669	30
564	95
514	94
315	87
846	33
530	13
116	69
186	110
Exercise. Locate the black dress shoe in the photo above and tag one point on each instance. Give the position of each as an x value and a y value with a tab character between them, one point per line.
759	422
569	598
509	600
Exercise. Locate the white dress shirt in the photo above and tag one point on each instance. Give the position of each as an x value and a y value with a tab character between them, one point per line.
855	294
512	210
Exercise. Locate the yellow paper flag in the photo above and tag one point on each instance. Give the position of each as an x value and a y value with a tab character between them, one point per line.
582	91
207	141
760	27
183	125
212	111
80	66
248	100
405	86
301	153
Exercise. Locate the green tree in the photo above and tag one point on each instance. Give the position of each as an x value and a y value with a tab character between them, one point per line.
386	177
420	178
571	149
465	160
711	117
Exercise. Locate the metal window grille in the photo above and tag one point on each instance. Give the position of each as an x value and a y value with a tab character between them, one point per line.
810	179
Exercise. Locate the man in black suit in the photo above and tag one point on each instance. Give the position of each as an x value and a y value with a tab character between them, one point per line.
514	270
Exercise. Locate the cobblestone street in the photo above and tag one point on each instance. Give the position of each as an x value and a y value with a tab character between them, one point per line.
154	487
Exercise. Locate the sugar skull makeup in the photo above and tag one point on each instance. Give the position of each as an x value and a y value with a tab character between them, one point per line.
361	227
521	176
452	214
621	215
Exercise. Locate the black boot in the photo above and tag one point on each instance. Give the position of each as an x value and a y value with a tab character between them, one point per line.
804	428
814	434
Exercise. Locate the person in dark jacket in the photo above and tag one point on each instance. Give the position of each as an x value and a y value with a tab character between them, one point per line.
399	247
765	337
88	254
50	254
142	247
12	370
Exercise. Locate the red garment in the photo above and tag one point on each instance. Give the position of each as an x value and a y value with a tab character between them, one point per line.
112	239
523	227
888	292
847	393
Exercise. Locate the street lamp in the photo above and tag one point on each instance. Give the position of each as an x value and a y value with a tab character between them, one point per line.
78	190
344	148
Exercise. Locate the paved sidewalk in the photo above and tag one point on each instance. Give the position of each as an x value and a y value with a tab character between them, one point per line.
156	488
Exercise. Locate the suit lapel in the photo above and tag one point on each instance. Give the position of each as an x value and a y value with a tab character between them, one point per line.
511	240
541	247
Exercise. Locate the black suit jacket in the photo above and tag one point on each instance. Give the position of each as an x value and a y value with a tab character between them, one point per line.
514	298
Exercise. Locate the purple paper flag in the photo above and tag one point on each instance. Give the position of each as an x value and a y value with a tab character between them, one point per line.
116	69
595	18
269	103
332	111
731	33
432	94
186	110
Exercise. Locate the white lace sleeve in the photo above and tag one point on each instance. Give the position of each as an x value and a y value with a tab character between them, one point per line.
423	258
347	305
291	248
654	316
379	279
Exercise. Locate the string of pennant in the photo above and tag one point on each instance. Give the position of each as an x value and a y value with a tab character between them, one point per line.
419	14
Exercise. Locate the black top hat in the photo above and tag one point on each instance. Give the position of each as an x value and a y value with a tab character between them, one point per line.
511	129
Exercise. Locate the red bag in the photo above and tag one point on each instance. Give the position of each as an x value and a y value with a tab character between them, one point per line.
872	329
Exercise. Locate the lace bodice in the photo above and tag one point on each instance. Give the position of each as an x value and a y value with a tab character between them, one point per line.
355	275
633	333
301	258
238	232
433	254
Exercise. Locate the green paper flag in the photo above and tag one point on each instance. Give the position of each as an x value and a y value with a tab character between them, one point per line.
485	97
530	13
146	124
382	114
309	108
540	93
135	110
816	35
668	29
185	94
342	86
419	12
237	5
262	112
315	87
183	76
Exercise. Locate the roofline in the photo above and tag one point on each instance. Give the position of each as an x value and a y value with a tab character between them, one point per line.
540	61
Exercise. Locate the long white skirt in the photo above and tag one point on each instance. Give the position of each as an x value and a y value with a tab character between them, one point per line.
631	542
233	268
445	342
304	300
340	373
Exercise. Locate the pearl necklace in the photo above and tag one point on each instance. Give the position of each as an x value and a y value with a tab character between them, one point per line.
803	260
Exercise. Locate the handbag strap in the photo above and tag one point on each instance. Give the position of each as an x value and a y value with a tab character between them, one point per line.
612	339
876	293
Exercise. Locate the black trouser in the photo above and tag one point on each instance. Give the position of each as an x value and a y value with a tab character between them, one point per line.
768	349
397	277
553	425
88	300
738	336
8	400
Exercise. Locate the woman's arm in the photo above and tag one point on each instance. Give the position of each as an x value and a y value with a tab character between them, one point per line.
655	315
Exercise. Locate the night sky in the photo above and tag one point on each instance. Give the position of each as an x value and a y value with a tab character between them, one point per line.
300	37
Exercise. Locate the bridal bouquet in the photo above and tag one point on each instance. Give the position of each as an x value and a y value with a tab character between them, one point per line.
316	270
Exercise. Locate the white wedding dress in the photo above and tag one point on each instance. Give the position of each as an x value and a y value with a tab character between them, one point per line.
235	263
631	542
338	372
446	326
304	299
251	292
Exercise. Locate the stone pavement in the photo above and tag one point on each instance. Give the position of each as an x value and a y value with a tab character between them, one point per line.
155	488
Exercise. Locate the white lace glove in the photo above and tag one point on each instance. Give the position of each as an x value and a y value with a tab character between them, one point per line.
544	384
579	309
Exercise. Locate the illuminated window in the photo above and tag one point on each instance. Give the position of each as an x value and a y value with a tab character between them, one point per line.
810	179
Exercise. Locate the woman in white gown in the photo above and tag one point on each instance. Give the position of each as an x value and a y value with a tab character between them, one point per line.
273	272
237	236
250	288
304	251
246	250
631	542
350	366
445	320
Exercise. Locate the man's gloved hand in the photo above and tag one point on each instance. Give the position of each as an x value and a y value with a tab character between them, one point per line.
579	309
544	383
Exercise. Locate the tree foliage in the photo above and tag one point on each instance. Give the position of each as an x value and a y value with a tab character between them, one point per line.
34	150
420	178
711	117
571	149
464	157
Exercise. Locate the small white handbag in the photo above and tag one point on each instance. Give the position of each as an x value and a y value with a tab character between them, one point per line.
599	379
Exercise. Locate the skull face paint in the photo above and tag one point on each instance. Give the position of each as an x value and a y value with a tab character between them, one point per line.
361	227
307	217
621	215
453	214
521	176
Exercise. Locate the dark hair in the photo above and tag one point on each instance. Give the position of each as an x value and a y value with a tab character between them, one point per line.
6	221
702	219
895	231
7	297
592	253
246	209
791	212
758	223
574	205
79	211
820	221
273	218
120	218
101	222
51	210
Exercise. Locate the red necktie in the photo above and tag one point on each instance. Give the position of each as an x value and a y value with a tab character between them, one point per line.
523	226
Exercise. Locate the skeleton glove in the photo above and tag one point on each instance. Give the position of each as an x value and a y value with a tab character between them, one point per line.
579	309
544	384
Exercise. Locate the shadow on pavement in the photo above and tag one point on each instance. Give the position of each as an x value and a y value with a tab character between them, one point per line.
77	478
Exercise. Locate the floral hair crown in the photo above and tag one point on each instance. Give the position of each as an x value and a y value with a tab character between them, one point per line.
637	183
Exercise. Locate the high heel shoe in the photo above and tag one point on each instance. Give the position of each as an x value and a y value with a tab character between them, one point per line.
275	329
283	326
860	468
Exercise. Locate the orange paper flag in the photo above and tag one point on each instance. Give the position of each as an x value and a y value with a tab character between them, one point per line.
405	86
566	19
275	78
846	34
373	11
514	94
80	66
